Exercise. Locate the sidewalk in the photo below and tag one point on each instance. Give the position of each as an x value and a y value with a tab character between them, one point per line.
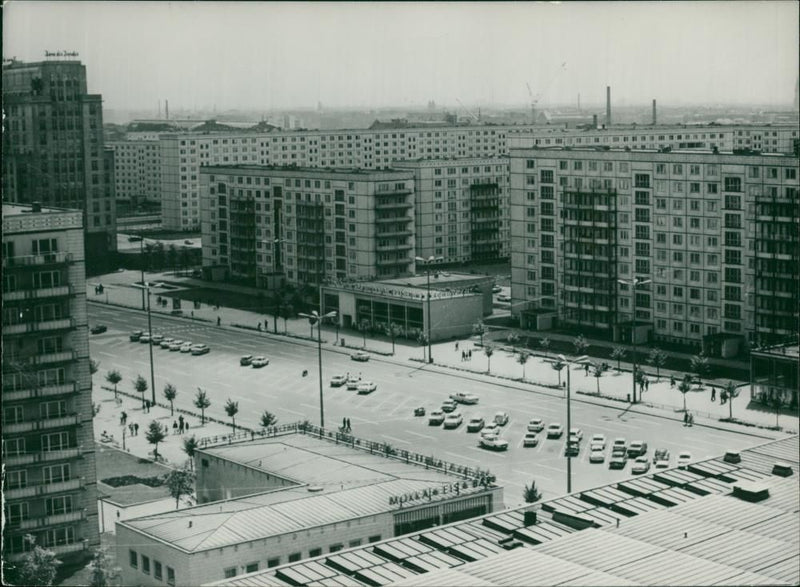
615	386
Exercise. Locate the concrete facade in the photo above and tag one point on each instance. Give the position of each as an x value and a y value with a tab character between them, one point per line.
48	442
138	170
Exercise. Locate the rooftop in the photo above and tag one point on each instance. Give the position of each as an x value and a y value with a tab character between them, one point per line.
356	173
443	285
671	527
112	462
790	351
19	209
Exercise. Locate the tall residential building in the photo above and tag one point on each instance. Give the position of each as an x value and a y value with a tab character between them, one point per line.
137	166
48	445
53	149
716	235
461	208
269	224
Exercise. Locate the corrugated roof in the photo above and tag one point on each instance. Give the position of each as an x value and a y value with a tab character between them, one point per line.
598	549
446	577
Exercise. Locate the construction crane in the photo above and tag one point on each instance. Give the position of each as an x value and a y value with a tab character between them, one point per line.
468	111
535	99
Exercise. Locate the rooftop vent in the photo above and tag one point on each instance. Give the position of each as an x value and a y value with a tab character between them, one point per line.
530	518
749	491
732	456
314	488
782	469
36	206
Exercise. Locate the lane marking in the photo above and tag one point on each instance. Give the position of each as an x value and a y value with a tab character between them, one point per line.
421	435
395	439
458	456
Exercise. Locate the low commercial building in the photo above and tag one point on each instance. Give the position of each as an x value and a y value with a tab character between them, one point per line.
457	302
294	496
775	375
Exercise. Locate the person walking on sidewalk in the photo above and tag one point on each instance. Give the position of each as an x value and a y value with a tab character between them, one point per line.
672	382
685	418
713	394
174	427
181	424
218	321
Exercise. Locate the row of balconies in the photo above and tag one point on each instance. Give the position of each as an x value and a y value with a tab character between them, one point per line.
42	457
57	258
44	391
28	327
33	425
393	205
44	521
44	489
398	261
394	218
38	293
42	359
394	247
397	232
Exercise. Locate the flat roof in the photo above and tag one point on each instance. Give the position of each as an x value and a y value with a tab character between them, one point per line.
790	351
443	285
112	462
353	173
14	209
671	527
641	153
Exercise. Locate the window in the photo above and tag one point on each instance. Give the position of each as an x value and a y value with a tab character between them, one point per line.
170	576
157	570
55	506
16	512
251	568
375	538
146	564
546	176
733	184
354	543
273	562
133	558
230	572
294	557
314	552
56	473
336	547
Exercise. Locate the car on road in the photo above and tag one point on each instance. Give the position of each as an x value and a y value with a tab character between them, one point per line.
246	360
157	338
530	439
684	458
166	342
637	448
535	425
366	387
186	347
572	448
362	356
598	441
617	460
99	328
201	349
453	420
144	338
475	424
576	433
640	465
496	289
597	455
501	418
135	335
176	345
338	380
259	362
503	298
449	406
352	382
493	442
420	411
436	417
661	458
555	431
491	429
620	444
464	398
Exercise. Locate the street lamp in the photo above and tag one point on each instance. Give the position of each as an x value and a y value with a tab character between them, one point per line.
315	318
580	359
146	286
634	283
427	262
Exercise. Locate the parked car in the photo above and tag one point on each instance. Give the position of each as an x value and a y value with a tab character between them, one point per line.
496	289
598	440
144	338
166	342
157	338
501	418
493	442
176	345
661	458
572	448
366	387
202	349
535	425
362	356
530	439
135	335
684	458
576	433
597	455
637	448
464	398
475	424
503	298
640	465
99	328
338	380
246	360
352	382
420	411
453	420
620	443
187	347
490	429
436	417
618	460
259	362
555	431
449	406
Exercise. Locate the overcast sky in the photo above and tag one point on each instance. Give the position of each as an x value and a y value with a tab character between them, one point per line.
292	55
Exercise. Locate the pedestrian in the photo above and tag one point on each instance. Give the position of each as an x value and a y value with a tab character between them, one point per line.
148	404
130	429
192	314
456	346
259	326
266	325
685	418
348	425
469	354
647	385
122	419
181	424
344	424
713	394
218	321
671	381
174	427
135	429
186	425
691	419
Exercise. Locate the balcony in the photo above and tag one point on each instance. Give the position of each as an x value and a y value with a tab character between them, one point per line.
393	205
67	548
47	325
389	233
45	391
57	258
42	457
398	218
53	520
30	426
387	262
397	247
44	489
48	358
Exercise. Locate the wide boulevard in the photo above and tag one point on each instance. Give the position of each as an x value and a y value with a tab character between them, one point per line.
386	414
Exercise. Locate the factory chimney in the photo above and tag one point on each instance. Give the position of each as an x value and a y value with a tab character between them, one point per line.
166	109
654	112
579	102
608	106
594	121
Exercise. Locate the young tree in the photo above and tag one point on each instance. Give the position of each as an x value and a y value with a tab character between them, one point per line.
170	393
114	377
580	345
522	358
94	366
618	354
685	387
180	482
512	339
597	371
201	402
545	344
287	310
38	566
190	446
558	366
140	385
392	331
103	574
268	419
479	328
488	350
422	339
700	366
531	493
232	408
155	434
657	358
95	409
364	326
731	392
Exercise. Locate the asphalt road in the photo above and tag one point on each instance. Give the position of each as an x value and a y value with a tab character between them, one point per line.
387	414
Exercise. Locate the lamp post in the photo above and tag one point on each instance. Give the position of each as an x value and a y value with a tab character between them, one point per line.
427	262
146	286
634	283
569	415
315	318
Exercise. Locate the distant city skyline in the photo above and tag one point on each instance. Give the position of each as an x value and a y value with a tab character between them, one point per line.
269	56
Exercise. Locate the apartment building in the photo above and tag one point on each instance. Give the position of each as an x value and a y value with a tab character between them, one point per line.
137	165
53	149
270	225
461	208
714	234
49	485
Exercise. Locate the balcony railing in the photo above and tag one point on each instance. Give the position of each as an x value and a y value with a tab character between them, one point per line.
42	457
25	327
37	260
29	426
44	489
52	520
38	293
44	391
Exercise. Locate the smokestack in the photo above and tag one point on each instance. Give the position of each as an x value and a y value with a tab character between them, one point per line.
166	109
654	112
608	106
594	120
579	101
159	109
